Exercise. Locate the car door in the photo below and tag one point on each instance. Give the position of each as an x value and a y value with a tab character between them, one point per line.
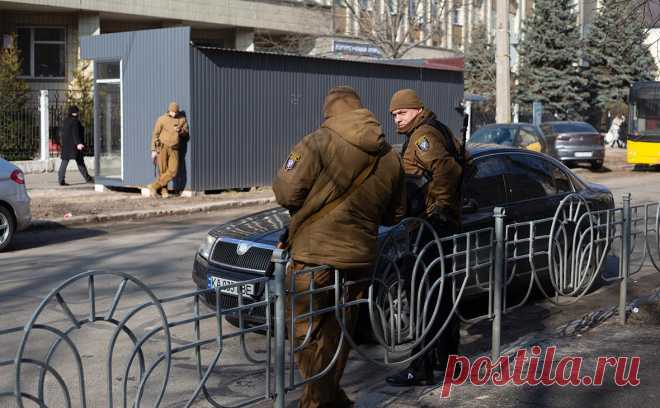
535	186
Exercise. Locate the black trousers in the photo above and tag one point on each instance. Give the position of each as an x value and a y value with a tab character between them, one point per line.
81	168
448	342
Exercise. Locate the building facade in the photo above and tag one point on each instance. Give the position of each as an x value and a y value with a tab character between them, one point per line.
49	35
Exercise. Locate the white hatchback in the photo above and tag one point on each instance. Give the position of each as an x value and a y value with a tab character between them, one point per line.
15	214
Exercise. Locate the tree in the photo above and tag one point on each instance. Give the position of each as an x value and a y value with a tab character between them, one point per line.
15	144
80	93
13	90
397	26
549	56
615	56
479	71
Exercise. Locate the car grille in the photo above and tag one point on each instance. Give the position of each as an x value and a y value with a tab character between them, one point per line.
256	259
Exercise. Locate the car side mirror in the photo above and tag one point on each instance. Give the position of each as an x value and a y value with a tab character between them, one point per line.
470	206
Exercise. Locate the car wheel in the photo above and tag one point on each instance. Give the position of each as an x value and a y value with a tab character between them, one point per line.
7	227
596	164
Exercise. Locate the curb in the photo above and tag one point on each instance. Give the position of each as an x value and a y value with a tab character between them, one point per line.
144	214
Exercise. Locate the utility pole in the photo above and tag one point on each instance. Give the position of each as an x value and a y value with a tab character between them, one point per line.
503	86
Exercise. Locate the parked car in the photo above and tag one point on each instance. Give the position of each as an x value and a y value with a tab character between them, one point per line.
529	185
524	135
576	142
15	214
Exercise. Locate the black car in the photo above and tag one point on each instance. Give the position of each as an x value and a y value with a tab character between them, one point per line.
529	185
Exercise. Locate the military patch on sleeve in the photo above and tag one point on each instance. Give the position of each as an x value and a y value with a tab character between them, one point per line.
292	160
423	144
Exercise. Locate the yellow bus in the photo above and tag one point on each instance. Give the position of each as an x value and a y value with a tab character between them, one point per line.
644	123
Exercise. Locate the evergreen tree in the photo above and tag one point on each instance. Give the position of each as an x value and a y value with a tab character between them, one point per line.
80	93
616	56
13	91
13	97
480	75
548	65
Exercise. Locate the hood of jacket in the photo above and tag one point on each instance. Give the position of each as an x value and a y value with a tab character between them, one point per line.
358	127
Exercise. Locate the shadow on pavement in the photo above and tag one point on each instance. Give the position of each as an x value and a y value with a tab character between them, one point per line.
36	238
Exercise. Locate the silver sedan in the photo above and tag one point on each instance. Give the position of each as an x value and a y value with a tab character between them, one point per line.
15	214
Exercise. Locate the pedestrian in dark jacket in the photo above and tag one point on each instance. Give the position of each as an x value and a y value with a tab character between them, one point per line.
72	145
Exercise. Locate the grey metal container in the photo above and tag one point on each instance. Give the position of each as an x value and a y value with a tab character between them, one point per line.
246	110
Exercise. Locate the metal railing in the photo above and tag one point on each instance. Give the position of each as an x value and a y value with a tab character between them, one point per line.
20	129
563	257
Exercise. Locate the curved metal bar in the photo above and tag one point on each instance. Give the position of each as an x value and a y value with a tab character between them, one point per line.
36	400
61	336
143	381
111	347
54	373
56	294
129	364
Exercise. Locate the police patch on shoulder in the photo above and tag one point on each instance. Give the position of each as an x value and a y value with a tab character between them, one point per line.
292	160
423	144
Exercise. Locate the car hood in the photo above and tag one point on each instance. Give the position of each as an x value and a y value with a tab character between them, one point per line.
265	227
598	187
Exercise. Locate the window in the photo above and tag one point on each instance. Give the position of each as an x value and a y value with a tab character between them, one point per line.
547	129
532	177
529	140
108	119
42	50
573	127
497	135
561	180
486	186
456	16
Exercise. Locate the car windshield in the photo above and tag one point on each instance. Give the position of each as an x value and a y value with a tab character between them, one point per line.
573	127
497	135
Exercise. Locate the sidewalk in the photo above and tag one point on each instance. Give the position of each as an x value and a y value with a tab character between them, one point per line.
587	329
55	206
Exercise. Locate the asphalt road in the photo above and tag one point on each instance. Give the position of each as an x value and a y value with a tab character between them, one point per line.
160	254
157	252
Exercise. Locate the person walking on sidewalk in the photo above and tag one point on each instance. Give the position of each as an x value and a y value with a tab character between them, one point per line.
165	141
613	136
72	142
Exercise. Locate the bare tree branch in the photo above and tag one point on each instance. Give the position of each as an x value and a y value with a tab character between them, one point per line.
397	26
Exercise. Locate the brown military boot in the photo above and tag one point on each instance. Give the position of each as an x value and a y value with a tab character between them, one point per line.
153	190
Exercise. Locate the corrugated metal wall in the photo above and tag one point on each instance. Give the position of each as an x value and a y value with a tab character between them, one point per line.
250	108
246	110
156	70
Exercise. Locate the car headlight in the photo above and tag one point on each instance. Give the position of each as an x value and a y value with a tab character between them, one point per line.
205	248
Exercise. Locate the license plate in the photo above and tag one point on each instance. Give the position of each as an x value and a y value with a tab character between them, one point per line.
583	154
214	282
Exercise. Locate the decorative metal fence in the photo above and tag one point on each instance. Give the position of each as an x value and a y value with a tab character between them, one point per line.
144	334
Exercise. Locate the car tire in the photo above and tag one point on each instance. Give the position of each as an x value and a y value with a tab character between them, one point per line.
7	227
596	164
